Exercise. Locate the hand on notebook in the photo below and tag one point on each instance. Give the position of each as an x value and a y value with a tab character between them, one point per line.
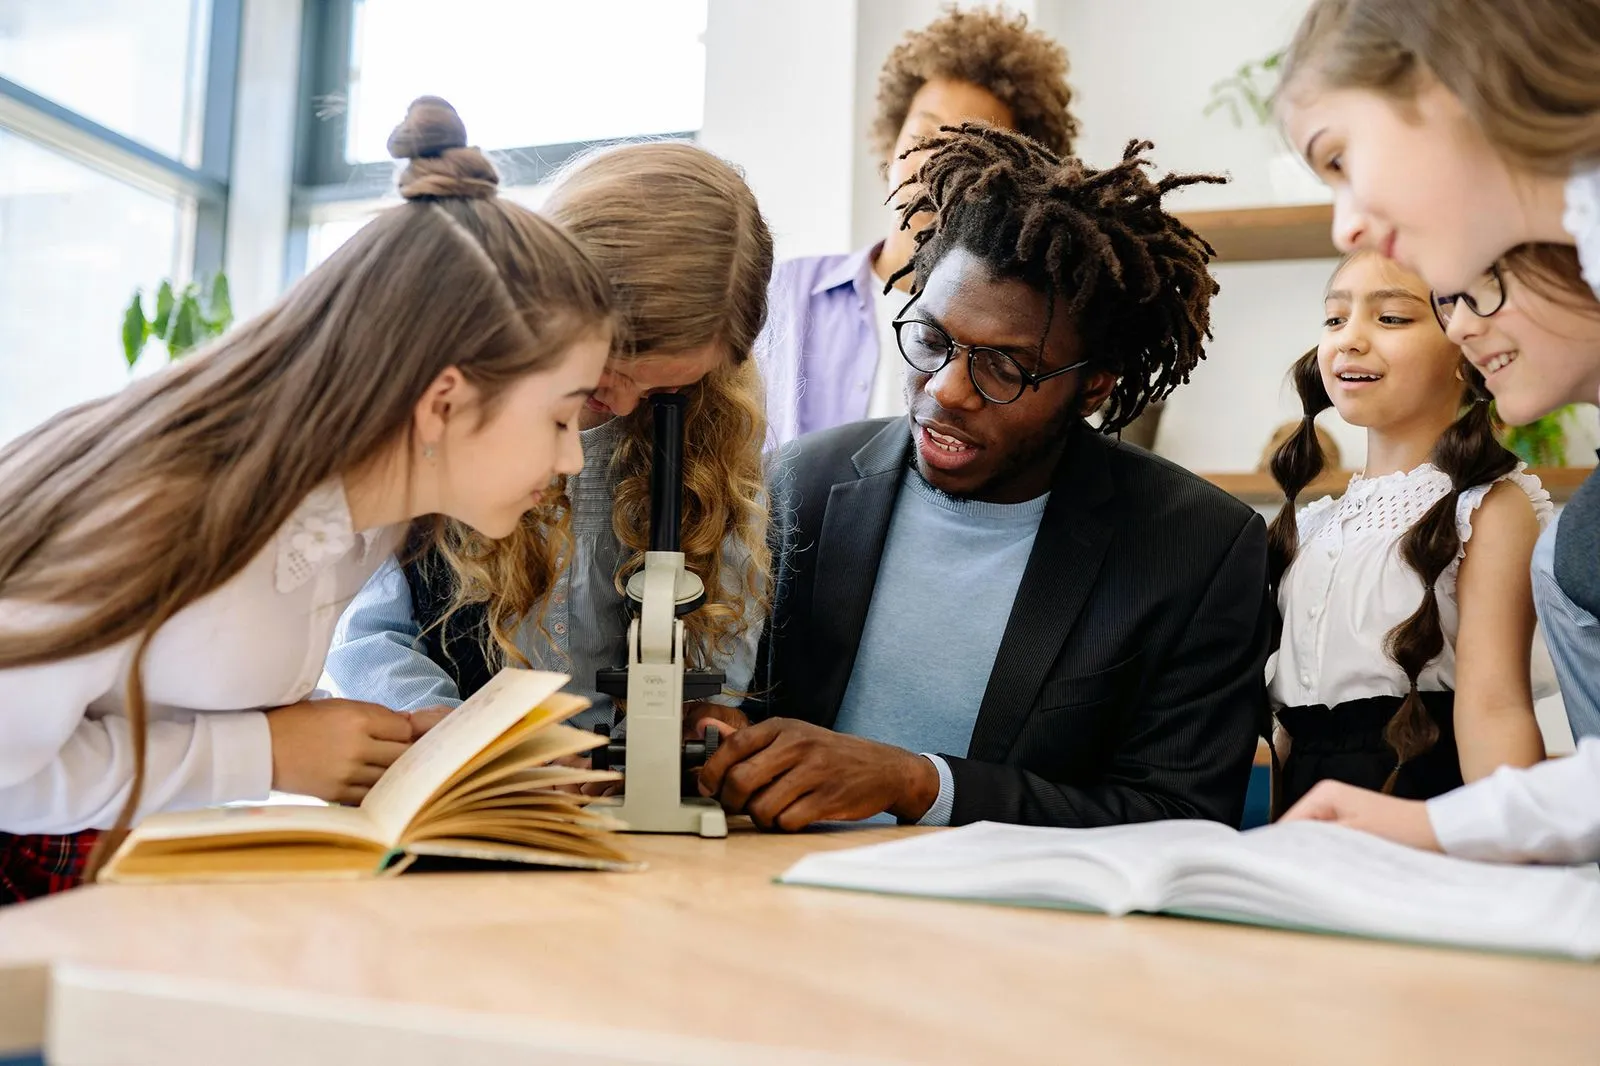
334	749
786	775
1402	821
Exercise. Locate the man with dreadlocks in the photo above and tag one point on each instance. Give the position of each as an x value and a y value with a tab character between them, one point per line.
1078	626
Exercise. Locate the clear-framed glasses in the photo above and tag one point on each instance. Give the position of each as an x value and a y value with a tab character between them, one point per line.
997	376
1483	298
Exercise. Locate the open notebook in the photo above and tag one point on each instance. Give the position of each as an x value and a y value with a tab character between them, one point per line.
478	786
1299	875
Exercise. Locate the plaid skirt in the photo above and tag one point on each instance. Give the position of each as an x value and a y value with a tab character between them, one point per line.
32	866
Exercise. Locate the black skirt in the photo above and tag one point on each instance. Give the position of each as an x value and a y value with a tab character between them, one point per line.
1345	743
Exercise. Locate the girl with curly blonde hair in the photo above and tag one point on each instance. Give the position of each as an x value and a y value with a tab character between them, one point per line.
681	239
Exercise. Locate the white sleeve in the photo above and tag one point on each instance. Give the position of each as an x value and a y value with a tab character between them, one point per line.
64	768
1582	219
1544	813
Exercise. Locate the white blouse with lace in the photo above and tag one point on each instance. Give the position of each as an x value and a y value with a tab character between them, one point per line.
257	642
1582	220
1349	587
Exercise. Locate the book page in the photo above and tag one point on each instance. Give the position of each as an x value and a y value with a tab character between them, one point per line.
280	819
1329	877
552	743
510	696
534	740
1115	869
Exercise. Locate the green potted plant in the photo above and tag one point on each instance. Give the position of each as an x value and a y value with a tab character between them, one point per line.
182	319
1247	91
1246	96
1542	442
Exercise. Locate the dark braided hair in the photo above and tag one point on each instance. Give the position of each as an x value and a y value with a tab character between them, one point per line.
1296	464
1470	454
1134	278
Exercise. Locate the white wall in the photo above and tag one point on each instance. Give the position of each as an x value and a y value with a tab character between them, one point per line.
791	87
1145	68
263	153
780	94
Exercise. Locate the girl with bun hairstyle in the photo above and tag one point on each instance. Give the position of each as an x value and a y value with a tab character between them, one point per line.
174	557
680	237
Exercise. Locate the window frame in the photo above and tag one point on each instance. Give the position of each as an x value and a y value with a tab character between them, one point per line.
41	120
325	182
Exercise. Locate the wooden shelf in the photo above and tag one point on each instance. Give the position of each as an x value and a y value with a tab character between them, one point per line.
1257	234
1560	481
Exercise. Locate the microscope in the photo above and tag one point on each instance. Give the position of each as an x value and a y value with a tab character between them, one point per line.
656	762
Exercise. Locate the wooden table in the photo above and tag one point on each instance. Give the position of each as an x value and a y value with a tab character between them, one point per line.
702	959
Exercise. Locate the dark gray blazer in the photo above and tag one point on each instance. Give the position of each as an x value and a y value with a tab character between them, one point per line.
1128	685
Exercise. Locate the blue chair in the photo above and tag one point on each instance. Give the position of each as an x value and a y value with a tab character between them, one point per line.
1258	800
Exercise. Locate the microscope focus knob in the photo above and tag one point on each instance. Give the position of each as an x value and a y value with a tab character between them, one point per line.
713	740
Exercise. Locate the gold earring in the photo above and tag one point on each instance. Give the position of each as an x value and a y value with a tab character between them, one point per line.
1460	376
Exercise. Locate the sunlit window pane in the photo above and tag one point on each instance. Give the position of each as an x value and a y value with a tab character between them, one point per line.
528	72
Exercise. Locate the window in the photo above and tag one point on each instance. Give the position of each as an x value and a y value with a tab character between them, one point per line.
337	223
74	245
114	143
135	68
535	81
528	72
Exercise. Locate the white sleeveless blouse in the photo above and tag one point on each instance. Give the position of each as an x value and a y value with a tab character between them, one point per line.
1349	586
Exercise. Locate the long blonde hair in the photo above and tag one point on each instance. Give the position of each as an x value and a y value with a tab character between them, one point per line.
1523	69
680	236
128	509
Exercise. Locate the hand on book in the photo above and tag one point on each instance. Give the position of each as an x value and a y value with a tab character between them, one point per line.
425	719
1402	821
787	774
336	750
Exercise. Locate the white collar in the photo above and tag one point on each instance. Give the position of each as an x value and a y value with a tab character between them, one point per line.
317	534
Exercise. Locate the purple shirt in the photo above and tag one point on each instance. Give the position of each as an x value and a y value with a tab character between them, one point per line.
820	347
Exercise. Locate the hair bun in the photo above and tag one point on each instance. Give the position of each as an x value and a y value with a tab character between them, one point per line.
433	139
431	127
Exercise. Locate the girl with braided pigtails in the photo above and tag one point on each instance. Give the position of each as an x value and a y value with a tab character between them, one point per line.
1408	621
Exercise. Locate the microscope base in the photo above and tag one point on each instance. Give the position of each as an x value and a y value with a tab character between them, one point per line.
698	817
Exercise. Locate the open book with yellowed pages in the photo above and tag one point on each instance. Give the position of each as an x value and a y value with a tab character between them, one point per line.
477	786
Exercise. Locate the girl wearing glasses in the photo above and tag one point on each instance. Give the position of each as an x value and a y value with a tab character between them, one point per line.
1408	619
1533	330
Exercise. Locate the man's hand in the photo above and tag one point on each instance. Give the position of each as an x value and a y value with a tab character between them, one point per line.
786	775
336	750
1402	821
